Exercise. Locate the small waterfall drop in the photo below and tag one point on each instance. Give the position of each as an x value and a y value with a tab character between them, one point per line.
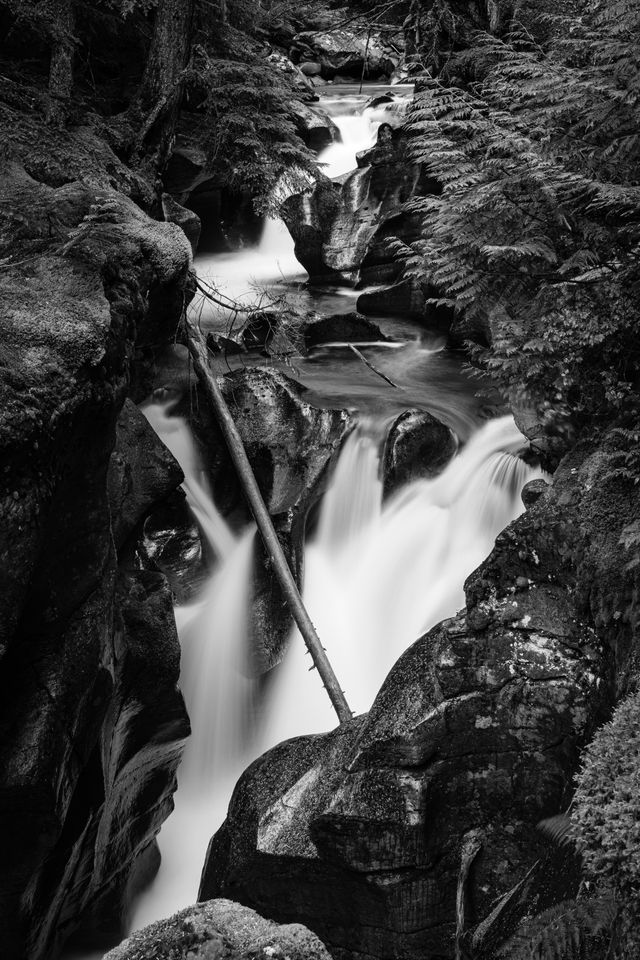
358	128
218	694
378	580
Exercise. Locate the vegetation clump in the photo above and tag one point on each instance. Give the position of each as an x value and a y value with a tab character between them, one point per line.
535	237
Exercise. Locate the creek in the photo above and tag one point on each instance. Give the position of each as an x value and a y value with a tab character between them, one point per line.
377	572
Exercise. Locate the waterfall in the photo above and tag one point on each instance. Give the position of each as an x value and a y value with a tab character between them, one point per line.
358	128
378	575
218	694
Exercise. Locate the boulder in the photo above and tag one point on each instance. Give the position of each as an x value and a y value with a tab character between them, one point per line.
293	74
216	930
316	127
402	299
342	327
397	834
418	447
310	68
345	54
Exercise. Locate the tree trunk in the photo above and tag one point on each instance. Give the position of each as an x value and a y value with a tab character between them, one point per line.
163	80
61	64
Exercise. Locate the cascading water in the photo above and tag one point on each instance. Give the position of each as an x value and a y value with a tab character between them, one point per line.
243	274
377	574
218	694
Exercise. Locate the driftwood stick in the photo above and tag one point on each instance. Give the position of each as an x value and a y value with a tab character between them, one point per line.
198	351
378	373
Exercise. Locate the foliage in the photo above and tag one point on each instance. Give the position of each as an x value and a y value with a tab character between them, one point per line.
606	808
253	140
604	825
536	234
572	930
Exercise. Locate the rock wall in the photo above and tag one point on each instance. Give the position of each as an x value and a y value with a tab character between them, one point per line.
397	835
91	722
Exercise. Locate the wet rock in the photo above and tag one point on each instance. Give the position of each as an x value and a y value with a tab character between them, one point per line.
171	543
290	445
216	930
404	299
418	446
335	225
342	327
310	68
142	472
316	127
88	279
309	218
269	331
288	441
474	737
187	220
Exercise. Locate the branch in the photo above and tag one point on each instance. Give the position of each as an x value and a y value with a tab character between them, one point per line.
378	373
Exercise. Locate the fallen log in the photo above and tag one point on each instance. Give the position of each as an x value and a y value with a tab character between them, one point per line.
198	350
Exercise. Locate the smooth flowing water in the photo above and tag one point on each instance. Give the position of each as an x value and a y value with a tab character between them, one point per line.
377	573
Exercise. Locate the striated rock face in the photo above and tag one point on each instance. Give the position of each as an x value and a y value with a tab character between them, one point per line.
220	930
90	717
373	832
340	228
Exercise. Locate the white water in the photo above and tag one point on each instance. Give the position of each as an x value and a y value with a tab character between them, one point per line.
376	577
358	128
217	692
248	276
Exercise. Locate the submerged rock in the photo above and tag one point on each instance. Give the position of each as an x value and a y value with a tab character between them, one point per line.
377	834
220	930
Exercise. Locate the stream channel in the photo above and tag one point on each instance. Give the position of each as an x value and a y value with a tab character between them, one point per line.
377	573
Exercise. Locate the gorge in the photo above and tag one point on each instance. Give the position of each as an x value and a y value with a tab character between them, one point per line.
421	320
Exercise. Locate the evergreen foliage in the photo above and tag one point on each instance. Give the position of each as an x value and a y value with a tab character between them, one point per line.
252	140
536	235
572	930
